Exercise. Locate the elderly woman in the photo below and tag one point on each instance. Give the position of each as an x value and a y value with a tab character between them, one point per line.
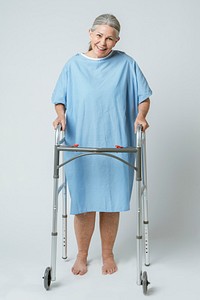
100	97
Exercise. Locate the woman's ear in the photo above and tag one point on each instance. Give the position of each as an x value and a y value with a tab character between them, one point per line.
117	40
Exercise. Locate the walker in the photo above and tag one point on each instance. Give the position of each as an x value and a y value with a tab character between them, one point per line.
141	199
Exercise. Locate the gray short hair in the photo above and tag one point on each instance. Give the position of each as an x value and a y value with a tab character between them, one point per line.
106	19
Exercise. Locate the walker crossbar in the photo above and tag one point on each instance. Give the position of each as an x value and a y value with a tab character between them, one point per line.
97	150
97	153
141	198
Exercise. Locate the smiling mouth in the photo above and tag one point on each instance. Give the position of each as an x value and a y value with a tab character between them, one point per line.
101	49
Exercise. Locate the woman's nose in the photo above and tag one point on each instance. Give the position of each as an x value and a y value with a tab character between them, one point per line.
103	41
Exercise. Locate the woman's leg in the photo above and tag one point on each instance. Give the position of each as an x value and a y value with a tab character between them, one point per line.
84	228
108	228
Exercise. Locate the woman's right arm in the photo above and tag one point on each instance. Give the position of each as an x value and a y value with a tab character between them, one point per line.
60	110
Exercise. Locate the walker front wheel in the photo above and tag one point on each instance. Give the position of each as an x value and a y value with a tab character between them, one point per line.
47	278
145	282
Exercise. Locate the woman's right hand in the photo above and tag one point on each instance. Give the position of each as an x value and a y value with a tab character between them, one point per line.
60	110
61	121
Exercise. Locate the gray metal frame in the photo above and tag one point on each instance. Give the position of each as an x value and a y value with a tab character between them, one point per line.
141	193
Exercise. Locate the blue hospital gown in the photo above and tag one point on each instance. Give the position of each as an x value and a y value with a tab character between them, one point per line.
101	97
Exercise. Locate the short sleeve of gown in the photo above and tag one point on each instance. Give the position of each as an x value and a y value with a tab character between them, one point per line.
143	89
59	95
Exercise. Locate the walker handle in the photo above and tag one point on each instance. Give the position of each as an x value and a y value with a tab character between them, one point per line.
139	133
57	133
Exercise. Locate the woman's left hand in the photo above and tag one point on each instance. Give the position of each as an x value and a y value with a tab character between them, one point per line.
141	120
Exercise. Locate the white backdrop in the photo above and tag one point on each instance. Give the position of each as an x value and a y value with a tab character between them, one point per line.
37	38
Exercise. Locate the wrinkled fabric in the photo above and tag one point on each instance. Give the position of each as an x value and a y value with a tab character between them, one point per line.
101	97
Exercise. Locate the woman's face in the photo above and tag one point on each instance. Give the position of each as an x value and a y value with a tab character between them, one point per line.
103	39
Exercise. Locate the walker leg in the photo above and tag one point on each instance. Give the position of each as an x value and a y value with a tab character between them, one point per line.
141	277
64	218
50	272
138	217
55	213
146	231
54	233
139	234
145	205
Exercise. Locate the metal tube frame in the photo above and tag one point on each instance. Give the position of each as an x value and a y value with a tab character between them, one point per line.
145	204
141	193
64	213
138	207
55	214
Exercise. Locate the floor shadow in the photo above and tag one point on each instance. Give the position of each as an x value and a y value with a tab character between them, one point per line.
152	291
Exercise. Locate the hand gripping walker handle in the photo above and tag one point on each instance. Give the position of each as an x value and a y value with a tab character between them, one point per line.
139	135
58	133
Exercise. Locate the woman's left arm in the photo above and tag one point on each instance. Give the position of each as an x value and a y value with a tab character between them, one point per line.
143	109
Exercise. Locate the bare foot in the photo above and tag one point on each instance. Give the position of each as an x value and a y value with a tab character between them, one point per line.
80	265
109	265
